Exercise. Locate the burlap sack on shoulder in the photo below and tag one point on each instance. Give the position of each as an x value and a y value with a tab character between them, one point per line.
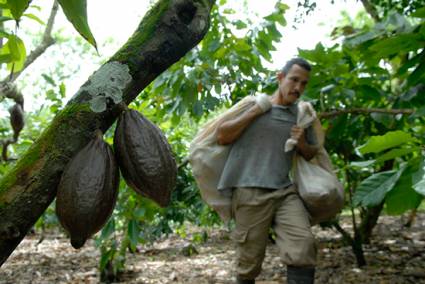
208	158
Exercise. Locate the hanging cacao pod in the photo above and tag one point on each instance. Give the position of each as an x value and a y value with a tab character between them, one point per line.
88	191
144	157
16	119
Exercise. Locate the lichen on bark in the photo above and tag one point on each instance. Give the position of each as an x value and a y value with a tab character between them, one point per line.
108	82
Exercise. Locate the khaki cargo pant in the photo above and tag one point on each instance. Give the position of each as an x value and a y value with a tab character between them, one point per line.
255	211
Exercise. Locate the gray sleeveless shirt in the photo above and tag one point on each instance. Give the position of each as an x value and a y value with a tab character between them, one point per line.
257	158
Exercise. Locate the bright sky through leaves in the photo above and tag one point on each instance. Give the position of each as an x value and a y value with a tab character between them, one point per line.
109	20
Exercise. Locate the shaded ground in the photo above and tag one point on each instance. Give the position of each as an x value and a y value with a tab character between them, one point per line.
396	255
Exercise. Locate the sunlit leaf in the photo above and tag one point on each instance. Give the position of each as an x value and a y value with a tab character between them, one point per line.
35	18
15	48
76	13
6	58
240	24
62	90
391	139
17	7
373	189
420	13
418	178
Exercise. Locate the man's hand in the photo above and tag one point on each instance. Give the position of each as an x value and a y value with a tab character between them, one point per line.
306	150
297	133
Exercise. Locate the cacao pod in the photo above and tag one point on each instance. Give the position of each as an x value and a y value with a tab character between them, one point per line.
144	157
88	191
16	119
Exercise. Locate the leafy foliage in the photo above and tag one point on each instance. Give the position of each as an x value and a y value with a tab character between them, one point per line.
226	66
13	52
379	156
76	12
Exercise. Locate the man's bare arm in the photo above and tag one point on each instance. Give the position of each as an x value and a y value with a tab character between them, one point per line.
231	130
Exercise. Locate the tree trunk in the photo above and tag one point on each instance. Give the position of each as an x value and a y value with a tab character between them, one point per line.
167	32
369	221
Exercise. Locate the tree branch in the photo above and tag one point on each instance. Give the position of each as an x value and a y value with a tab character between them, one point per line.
371	10
365	111
46	42
168	31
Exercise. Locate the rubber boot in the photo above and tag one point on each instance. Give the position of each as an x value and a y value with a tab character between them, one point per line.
300	275
244	281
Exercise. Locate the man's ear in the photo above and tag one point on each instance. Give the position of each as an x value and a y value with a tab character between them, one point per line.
280	76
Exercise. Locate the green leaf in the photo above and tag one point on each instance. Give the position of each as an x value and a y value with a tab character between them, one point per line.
397	44
6	58
51	95
17	7
391	139
373	189
383	118
362	164
410	63
108	229
16	49
5	34
418	179
48	79
35	18
133	232
420	13
276	17
198	108
241	45
76	12
105	258
402	197
394	153
4	19
139	212
359	38
240	24
62	90
417	75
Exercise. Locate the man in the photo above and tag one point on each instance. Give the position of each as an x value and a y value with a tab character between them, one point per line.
257	169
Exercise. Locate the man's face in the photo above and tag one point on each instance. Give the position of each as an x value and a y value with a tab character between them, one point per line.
292	85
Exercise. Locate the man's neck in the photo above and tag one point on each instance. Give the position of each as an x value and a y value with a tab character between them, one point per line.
277	99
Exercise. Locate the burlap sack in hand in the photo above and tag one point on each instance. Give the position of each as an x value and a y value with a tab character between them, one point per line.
317	184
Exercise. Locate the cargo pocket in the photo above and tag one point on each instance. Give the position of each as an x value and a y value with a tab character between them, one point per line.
239	235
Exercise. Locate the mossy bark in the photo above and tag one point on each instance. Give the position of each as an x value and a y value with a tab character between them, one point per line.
166	33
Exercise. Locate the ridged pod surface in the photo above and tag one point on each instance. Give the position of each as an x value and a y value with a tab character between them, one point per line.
88	190
144	157
17	119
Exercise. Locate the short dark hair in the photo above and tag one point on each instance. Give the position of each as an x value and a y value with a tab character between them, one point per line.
296	61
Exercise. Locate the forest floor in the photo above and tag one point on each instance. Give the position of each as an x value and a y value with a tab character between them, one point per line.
396	255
